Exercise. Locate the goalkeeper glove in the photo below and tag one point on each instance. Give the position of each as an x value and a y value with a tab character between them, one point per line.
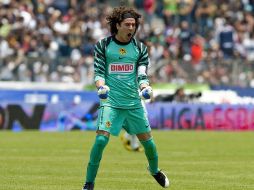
146	93
103	92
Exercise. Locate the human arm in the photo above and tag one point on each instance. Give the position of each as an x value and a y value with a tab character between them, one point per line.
146	90
99	70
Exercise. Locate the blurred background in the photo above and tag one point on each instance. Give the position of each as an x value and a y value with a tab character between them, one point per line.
205	49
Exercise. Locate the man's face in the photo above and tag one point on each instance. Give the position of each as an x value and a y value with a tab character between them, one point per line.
126	29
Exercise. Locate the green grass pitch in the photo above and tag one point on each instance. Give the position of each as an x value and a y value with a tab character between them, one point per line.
193	160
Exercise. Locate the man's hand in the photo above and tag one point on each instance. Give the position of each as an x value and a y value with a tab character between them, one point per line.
103	92
146	93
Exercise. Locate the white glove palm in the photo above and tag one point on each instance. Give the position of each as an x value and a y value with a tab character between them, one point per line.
103	92
146	93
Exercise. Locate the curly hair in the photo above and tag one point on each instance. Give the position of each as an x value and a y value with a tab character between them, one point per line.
117	16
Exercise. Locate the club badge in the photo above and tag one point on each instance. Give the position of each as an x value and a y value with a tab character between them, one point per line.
108	124
122	51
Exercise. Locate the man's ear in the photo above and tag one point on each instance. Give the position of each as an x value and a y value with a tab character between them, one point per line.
117	26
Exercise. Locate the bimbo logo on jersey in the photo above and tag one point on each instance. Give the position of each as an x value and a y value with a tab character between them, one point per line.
121	68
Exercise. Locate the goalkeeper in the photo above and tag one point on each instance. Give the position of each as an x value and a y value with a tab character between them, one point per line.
120	70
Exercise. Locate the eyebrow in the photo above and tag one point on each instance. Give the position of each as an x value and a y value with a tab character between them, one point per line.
130	22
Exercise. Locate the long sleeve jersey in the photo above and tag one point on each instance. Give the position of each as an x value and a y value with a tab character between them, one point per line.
123	67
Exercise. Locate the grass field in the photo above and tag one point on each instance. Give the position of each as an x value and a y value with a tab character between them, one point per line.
193	160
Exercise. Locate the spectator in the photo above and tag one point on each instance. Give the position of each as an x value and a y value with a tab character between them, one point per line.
204	15
179	96
170	12
48	32
185	8
248	44
197	47
185	37
227	39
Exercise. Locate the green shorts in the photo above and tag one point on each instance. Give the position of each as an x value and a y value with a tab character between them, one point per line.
112	120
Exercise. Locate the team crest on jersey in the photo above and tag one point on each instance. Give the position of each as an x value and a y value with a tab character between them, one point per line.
122	51
108	124
121	68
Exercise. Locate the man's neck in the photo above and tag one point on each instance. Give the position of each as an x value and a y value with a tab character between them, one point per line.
119	41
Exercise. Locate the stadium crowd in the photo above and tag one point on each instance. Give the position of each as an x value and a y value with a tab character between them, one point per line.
198	41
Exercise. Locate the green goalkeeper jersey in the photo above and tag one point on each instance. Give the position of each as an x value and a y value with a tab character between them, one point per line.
123	67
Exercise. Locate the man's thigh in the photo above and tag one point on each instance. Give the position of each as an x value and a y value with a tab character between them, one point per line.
136	121
110	120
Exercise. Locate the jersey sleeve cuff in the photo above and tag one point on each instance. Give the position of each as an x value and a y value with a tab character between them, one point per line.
143	82
98	78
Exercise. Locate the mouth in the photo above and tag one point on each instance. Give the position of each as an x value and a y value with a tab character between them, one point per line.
129	35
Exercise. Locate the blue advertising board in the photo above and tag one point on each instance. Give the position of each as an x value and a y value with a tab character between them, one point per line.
69	110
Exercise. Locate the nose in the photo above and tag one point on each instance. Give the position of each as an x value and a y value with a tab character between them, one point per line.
131	26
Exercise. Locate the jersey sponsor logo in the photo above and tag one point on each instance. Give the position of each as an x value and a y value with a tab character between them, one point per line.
121	68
